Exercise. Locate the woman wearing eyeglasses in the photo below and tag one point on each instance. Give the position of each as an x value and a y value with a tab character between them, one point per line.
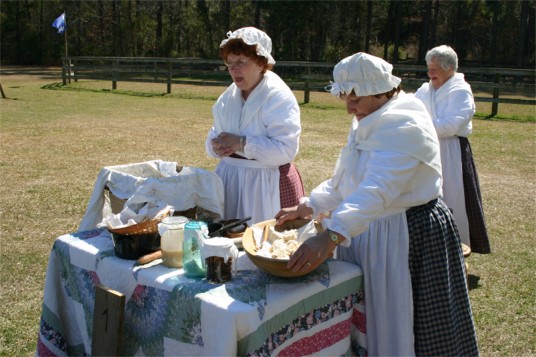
256	131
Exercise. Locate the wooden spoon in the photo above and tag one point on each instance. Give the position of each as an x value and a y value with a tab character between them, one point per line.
265	232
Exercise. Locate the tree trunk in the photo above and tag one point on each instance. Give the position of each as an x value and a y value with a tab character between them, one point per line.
158	44
257	18
206	47
131	28
495	8
79	29
118	37
388	30
178	34
369	25
18	30
433	32
397	30
226	15
104	44
523	30
423	43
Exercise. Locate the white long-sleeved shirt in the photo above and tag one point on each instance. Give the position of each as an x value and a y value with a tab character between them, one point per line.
398	169
451	107
270	121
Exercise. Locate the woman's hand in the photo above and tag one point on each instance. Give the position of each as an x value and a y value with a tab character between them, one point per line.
291	213
217	147
313	252
226	144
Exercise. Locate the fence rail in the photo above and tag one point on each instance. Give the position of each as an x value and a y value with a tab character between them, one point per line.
303	76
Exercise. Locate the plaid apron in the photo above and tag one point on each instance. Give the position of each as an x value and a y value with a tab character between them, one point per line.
290	186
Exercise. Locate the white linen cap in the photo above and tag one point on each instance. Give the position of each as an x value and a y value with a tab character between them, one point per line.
253	36
364	74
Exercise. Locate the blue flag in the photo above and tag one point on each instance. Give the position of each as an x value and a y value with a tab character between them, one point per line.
59	23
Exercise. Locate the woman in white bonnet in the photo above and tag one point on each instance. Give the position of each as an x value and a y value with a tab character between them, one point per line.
449	100
256	131
381	210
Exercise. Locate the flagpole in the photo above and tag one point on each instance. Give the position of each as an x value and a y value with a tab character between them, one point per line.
66	49
65	38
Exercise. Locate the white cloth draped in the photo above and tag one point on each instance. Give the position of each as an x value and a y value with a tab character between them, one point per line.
155	182
270	120
452	108
391	163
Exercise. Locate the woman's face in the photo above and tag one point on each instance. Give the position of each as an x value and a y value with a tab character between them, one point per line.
438	76
363	106
245	72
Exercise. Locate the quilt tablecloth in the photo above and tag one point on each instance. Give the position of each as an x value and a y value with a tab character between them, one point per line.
168	314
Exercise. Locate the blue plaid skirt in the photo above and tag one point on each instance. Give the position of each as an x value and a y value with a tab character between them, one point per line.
443	321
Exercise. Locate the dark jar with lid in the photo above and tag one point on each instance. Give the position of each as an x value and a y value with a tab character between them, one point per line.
219	254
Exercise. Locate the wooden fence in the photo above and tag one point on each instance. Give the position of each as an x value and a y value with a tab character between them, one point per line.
302	76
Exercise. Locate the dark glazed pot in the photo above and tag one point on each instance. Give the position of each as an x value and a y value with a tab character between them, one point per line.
134	246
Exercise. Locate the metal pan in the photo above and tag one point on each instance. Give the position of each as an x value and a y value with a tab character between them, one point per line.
218	229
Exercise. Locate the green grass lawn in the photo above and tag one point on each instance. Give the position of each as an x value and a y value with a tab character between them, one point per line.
55	139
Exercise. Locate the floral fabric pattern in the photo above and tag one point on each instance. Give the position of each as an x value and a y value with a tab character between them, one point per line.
306	322
154	315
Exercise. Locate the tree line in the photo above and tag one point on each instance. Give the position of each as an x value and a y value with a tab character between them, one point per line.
483	32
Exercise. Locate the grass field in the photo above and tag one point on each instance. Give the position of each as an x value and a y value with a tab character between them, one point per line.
54	141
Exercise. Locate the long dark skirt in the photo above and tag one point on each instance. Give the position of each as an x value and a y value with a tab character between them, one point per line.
443	321
478	234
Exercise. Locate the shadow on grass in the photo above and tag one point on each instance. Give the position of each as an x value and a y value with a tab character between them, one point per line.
473	282
60	86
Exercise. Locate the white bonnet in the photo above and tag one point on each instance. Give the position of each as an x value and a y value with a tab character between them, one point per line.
364	74
253	36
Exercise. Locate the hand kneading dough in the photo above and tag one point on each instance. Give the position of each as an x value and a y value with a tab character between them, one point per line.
283	243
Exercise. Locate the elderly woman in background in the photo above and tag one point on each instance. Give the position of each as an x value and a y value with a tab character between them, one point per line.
256	131
449	100
381	210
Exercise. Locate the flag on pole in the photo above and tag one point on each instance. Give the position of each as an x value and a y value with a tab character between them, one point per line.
59	23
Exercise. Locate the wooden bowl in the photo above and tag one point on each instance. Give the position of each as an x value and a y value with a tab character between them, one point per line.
277	267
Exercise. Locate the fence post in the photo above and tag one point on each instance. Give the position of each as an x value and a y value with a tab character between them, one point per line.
69	70
306	91
495	104
63	75
75	70
114	74
169	67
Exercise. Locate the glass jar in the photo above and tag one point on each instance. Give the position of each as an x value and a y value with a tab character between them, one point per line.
171	231
219	254
194	236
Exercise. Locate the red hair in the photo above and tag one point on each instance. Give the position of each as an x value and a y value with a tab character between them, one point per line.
239	47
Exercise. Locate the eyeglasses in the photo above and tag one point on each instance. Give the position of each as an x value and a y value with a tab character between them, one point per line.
238	64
